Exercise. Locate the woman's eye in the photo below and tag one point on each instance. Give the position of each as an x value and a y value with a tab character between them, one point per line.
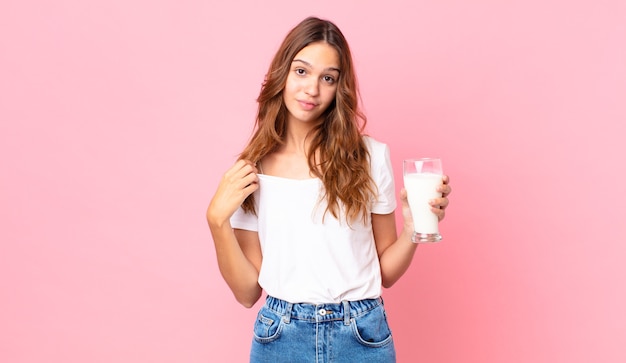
300	71
329	79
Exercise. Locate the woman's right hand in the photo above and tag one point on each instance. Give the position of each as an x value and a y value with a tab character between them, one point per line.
236	185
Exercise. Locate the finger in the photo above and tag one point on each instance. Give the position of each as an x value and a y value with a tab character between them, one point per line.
444	189
440	213
248	179
250	188
245	167
240	170
403	195
234	169
246	170
439	203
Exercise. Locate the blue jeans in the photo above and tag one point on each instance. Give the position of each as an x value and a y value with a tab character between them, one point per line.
351	331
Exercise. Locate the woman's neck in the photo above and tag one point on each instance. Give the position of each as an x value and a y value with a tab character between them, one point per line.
298	138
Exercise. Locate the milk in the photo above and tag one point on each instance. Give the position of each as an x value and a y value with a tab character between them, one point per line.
421	188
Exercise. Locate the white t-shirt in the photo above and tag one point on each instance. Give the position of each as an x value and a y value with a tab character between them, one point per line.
307	260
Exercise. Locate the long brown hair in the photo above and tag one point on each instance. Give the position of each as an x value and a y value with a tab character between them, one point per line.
343	164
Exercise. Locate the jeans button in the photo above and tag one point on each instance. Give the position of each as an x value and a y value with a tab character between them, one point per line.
322	312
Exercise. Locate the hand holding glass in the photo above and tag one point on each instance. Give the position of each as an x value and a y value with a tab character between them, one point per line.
421	179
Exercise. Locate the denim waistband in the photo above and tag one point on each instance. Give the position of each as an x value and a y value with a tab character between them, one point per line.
322	312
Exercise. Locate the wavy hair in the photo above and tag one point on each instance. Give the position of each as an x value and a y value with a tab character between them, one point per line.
343	165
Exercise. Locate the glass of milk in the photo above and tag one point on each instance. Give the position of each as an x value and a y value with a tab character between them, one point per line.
421	179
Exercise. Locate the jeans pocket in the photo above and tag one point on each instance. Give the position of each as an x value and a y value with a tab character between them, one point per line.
267	326
371	329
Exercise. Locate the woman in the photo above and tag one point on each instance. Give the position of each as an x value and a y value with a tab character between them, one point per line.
307	213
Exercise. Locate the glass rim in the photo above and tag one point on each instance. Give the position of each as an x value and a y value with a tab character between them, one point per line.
421	159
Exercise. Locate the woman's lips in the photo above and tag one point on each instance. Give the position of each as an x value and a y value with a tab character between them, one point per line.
307	106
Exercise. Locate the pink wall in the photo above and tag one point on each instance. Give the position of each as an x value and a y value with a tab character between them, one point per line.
119	117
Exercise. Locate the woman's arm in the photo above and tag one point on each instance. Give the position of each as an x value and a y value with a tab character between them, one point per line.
396	252
239	260
238	251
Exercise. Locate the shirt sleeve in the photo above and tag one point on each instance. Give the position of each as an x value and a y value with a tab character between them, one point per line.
243	220
382	173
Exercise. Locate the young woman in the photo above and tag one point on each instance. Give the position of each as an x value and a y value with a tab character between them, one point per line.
307	213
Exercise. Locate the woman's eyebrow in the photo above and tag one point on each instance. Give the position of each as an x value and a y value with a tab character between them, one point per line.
311	66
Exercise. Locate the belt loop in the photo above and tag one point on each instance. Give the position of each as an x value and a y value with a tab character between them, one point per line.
288	309
346	312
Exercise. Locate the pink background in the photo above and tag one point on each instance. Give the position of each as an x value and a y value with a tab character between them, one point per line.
119	117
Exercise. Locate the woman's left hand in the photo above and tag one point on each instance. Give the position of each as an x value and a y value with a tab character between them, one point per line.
439	205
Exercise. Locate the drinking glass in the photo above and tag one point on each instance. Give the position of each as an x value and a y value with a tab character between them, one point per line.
421	179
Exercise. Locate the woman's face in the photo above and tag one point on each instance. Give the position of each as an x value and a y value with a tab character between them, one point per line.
312	82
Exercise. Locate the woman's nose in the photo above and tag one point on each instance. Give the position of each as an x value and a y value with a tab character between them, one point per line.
312	87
